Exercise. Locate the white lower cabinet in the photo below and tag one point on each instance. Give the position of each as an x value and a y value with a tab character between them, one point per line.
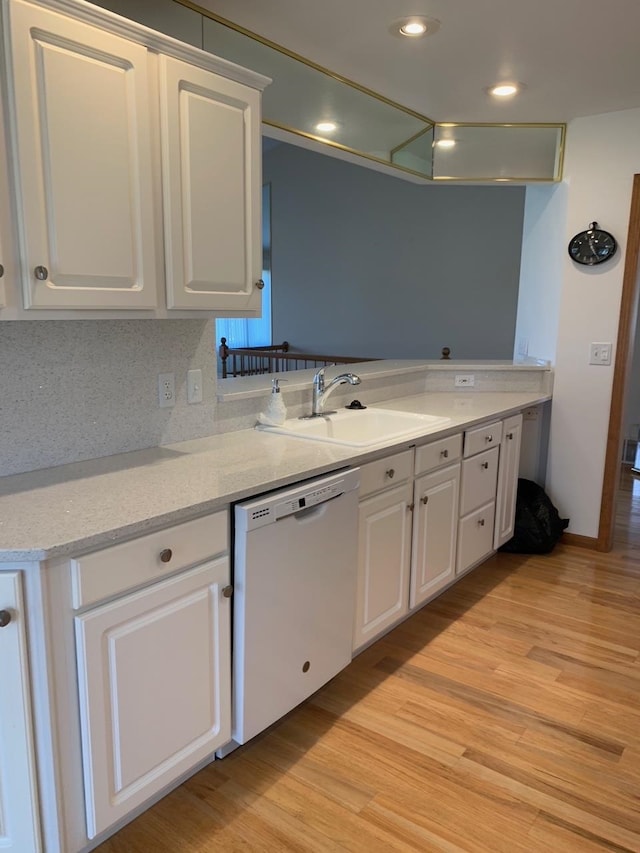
154	677
407	541
463	501
434	532
508	480
19	821
384	546
478	495
384	557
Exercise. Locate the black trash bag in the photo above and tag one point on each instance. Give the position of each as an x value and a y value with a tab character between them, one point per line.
538	525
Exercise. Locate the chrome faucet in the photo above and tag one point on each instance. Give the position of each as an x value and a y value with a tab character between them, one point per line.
322	391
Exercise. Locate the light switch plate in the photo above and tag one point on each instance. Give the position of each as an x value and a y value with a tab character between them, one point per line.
600	353
194	386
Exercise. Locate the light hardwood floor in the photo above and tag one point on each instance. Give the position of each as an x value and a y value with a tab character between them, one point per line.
503	717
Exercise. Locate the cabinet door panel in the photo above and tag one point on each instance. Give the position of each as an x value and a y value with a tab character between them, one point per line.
434	532
211	180
154	675
85	175
475	536
508	480
479	479
384	553
18	797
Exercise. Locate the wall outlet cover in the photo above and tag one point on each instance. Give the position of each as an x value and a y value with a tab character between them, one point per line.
166	390
464	380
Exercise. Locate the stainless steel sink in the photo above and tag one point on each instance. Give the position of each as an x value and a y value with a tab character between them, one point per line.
360	428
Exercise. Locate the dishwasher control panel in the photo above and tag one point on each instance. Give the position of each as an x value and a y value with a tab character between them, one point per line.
279	504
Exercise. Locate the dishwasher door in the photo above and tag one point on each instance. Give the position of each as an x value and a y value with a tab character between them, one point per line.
295	560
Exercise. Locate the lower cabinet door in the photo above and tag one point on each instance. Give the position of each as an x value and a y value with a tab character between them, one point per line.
475	536
434	532
155	689
508	480
384	554
19	830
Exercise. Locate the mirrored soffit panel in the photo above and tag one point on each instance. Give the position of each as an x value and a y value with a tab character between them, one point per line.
303	94
367	125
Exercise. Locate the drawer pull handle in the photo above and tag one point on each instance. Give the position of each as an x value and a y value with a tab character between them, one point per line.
444	453
390	473
5	618
227	591
425	499
166	555
485	465
510	436
489	438
481	522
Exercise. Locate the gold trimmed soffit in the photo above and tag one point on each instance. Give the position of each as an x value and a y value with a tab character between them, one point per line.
488	152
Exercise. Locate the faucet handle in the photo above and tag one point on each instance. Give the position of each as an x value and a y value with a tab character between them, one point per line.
318	379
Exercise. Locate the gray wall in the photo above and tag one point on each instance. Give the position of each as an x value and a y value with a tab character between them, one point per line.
365	264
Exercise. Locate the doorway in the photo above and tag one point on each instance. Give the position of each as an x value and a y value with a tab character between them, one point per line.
621	375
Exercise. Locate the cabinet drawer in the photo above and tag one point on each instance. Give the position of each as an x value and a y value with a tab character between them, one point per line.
479	480
437	453
386	472
475	537
476	440
113	570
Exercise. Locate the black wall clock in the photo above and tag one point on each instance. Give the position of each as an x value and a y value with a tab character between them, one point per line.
593	246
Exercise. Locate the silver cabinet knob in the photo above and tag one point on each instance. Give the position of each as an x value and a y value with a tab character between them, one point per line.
485	465
259	284
510	436
410	507
166	555
425	499
227	591
481	522
5	618
391	473
444	454
489	438
41	273
1	270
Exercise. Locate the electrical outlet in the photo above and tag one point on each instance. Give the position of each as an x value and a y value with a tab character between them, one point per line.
194	386
166	390
600	353
464	380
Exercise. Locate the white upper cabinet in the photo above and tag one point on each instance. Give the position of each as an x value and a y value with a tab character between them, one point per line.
84	165
115	130
212	189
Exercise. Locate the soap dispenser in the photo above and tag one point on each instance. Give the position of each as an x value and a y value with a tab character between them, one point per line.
276	410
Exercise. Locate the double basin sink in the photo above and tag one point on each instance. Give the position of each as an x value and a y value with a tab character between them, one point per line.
360	427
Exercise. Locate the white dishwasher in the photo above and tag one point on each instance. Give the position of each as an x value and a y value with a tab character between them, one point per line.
295	559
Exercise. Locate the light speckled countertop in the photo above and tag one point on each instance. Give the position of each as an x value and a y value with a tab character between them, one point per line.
87	505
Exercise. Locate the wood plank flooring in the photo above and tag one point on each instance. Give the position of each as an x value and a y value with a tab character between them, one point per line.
503	717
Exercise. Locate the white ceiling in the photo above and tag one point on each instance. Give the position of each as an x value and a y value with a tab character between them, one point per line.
576	57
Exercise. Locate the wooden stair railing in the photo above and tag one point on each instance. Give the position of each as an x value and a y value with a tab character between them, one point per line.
252	361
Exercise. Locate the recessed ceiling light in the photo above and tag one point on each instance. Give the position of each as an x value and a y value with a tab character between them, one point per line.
445	143
416	26
326	126
505	90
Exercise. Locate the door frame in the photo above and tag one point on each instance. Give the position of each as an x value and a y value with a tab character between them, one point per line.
624	352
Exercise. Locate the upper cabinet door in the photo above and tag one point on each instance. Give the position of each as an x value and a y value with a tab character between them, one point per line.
211	166
84	161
